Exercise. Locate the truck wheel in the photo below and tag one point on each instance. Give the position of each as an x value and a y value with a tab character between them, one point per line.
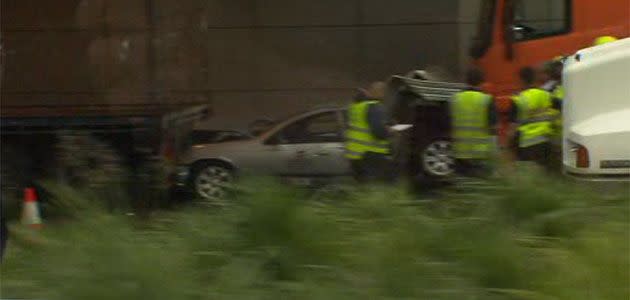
436	159
212	182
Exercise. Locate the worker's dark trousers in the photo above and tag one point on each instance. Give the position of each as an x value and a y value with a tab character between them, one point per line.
539	153
555	160
373	167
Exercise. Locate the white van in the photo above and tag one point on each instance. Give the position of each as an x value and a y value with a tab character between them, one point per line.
596	113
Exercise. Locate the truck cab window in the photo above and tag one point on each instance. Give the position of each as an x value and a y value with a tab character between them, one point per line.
534	19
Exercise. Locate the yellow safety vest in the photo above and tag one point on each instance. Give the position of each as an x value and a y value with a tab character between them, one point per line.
359	137
557	93
604	40
471	132
534	117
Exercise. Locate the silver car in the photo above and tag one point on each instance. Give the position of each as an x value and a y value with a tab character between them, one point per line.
307	145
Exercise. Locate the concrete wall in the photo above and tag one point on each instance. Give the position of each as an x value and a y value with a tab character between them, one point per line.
248	58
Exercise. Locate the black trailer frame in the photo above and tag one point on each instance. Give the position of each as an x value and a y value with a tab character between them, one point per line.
138	133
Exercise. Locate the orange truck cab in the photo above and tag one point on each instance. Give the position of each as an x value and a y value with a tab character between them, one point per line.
517	33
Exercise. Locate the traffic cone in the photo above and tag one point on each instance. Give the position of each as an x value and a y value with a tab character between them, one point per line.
30	210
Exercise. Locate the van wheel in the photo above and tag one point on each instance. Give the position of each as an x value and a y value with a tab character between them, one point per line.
212	182
436	158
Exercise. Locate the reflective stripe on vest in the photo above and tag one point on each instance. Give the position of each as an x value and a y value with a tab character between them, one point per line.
358	129
359	137
532	141
534	116
353	155
469	114
547	118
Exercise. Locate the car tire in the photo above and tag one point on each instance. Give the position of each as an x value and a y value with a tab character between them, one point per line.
436	160
212	181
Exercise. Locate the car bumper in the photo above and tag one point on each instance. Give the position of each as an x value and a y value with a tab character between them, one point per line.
598	177
592	177
598	171
603	185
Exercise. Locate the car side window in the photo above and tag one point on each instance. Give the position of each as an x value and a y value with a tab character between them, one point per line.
320	128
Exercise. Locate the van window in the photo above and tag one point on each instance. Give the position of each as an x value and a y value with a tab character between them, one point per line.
535	19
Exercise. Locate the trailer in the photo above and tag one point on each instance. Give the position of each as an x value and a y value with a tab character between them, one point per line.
39	142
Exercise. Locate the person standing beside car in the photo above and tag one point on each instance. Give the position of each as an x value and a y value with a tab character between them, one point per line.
473	126
532	118
604	40
553	72
367	145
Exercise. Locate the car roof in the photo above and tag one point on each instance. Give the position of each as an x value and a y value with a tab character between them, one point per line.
197	130
214	124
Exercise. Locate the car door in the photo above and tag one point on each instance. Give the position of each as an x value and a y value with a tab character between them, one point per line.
325	145
309	146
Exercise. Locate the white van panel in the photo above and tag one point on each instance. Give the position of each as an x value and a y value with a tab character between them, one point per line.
596	109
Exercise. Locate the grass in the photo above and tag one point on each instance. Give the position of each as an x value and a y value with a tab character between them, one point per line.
524	237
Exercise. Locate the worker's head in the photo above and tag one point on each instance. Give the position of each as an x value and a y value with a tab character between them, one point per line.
543	73
360	95
604	40
376	90
553	69
475	77
527	76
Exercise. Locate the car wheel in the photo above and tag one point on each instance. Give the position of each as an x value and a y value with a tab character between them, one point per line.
212	182
436	158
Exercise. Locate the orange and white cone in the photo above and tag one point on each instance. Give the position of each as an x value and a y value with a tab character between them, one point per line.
30	210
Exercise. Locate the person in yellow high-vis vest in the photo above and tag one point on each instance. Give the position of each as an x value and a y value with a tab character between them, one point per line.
533	118
473	120
604	40
553	71
367	144
553	85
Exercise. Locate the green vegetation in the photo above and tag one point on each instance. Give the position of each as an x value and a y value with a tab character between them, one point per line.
522	238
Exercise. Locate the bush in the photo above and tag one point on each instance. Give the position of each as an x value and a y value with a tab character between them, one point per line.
525	239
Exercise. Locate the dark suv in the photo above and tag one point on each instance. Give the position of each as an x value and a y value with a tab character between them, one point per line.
425	150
